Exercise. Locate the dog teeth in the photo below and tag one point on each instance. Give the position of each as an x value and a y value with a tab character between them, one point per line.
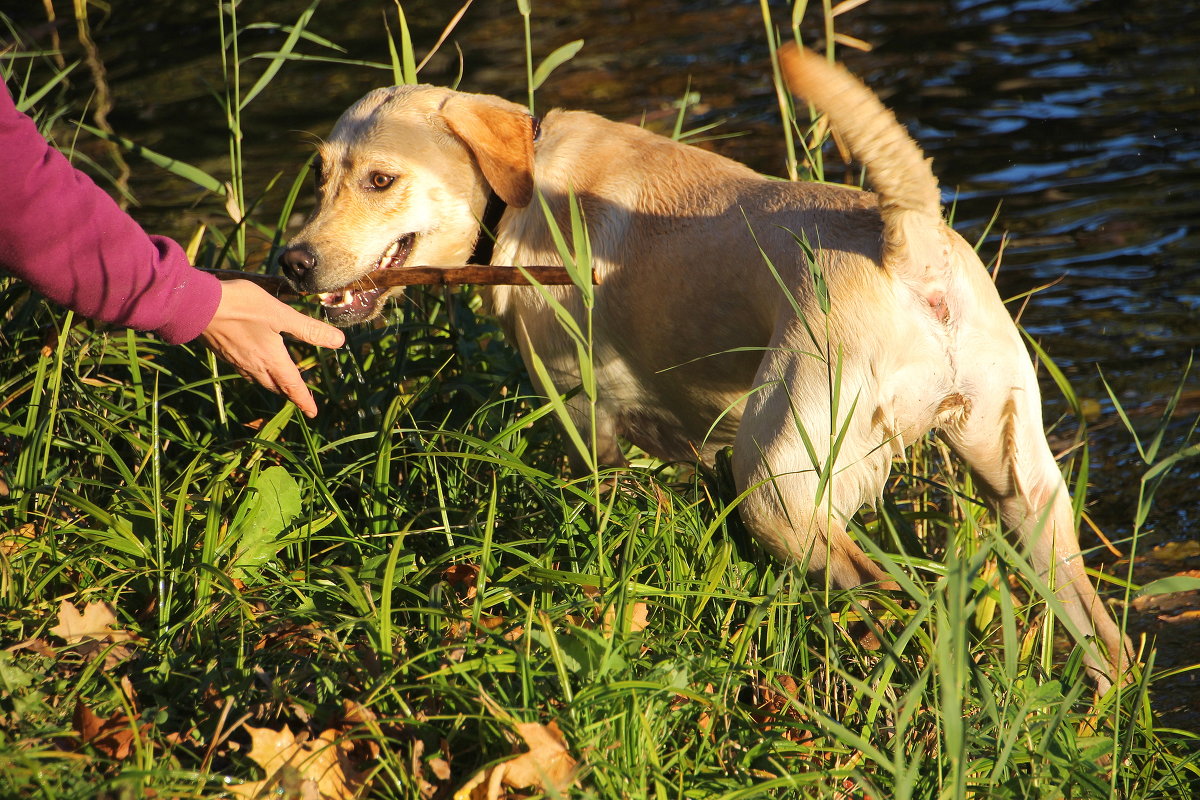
337	299
391	252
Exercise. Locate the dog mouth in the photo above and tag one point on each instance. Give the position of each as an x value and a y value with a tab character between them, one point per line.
350	305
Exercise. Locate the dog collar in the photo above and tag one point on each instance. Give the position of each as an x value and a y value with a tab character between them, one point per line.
486	243
492	212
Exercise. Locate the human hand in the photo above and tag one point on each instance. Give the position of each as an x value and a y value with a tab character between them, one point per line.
246	330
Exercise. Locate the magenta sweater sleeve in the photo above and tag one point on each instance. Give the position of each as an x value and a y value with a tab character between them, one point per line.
68	238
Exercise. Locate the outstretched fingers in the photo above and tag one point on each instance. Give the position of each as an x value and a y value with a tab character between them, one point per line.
247	332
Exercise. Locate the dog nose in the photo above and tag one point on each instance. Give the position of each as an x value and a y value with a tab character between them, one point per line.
298	263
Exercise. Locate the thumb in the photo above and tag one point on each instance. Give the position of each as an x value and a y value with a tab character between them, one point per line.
309	329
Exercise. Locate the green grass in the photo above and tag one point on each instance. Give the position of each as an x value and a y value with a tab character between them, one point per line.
276	569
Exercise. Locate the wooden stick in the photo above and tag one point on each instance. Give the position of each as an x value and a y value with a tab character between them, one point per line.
421	276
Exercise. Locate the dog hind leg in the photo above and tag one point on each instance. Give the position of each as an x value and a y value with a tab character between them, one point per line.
1001	440
796	502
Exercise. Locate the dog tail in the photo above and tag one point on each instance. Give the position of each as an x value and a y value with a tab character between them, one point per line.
915	244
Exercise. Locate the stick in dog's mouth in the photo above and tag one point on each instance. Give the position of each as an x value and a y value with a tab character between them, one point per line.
349	305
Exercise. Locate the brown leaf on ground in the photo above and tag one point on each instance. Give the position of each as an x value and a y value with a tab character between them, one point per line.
705	721
1170	605
425	767
92	632
464	579
297	766
39	646
114	736
547	766
356	715
14	541
300	639
494	623
774	706
95	622
457	631
636	613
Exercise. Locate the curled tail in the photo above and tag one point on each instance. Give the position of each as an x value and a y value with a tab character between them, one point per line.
916	247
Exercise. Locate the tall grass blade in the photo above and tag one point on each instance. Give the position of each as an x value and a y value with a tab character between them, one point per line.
556	59
294	36
173	165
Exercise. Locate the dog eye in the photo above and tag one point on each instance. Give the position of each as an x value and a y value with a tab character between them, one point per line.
380	181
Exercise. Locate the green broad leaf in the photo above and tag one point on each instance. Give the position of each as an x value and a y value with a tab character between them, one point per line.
555	60
272	503
1044	694
585	653
1176	583
12	677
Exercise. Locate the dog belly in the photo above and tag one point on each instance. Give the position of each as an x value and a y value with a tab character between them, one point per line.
669	414
662	433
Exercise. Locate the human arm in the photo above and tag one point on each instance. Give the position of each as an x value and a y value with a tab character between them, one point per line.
245	331
73	244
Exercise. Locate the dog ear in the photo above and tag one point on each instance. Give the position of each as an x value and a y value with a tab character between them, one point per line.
500	136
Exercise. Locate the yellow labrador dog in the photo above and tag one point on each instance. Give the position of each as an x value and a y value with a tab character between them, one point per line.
698	343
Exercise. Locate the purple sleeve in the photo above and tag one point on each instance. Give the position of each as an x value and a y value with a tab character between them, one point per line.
64	235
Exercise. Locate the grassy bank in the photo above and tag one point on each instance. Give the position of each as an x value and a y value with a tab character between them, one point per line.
198	585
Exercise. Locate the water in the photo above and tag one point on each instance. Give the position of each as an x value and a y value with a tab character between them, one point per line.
1079	118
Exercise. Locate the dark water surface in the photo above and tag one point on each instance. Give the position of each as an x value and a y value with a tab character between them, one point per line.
1080	118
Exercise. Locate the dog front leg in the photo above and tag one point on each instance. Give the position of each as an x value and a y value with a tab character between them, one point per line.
594	423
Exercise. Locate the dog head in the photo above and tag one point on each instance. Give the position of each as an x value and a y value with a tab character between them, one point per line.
403	179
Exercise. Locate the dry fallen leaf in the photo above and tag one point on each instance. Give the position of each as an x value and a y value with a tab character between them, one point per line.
299	767
493	623
12	542
438	766
113	736
547	766
635	613
95	622
39	646
775	706
91	632
457	632
705	721
464	579
354	715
